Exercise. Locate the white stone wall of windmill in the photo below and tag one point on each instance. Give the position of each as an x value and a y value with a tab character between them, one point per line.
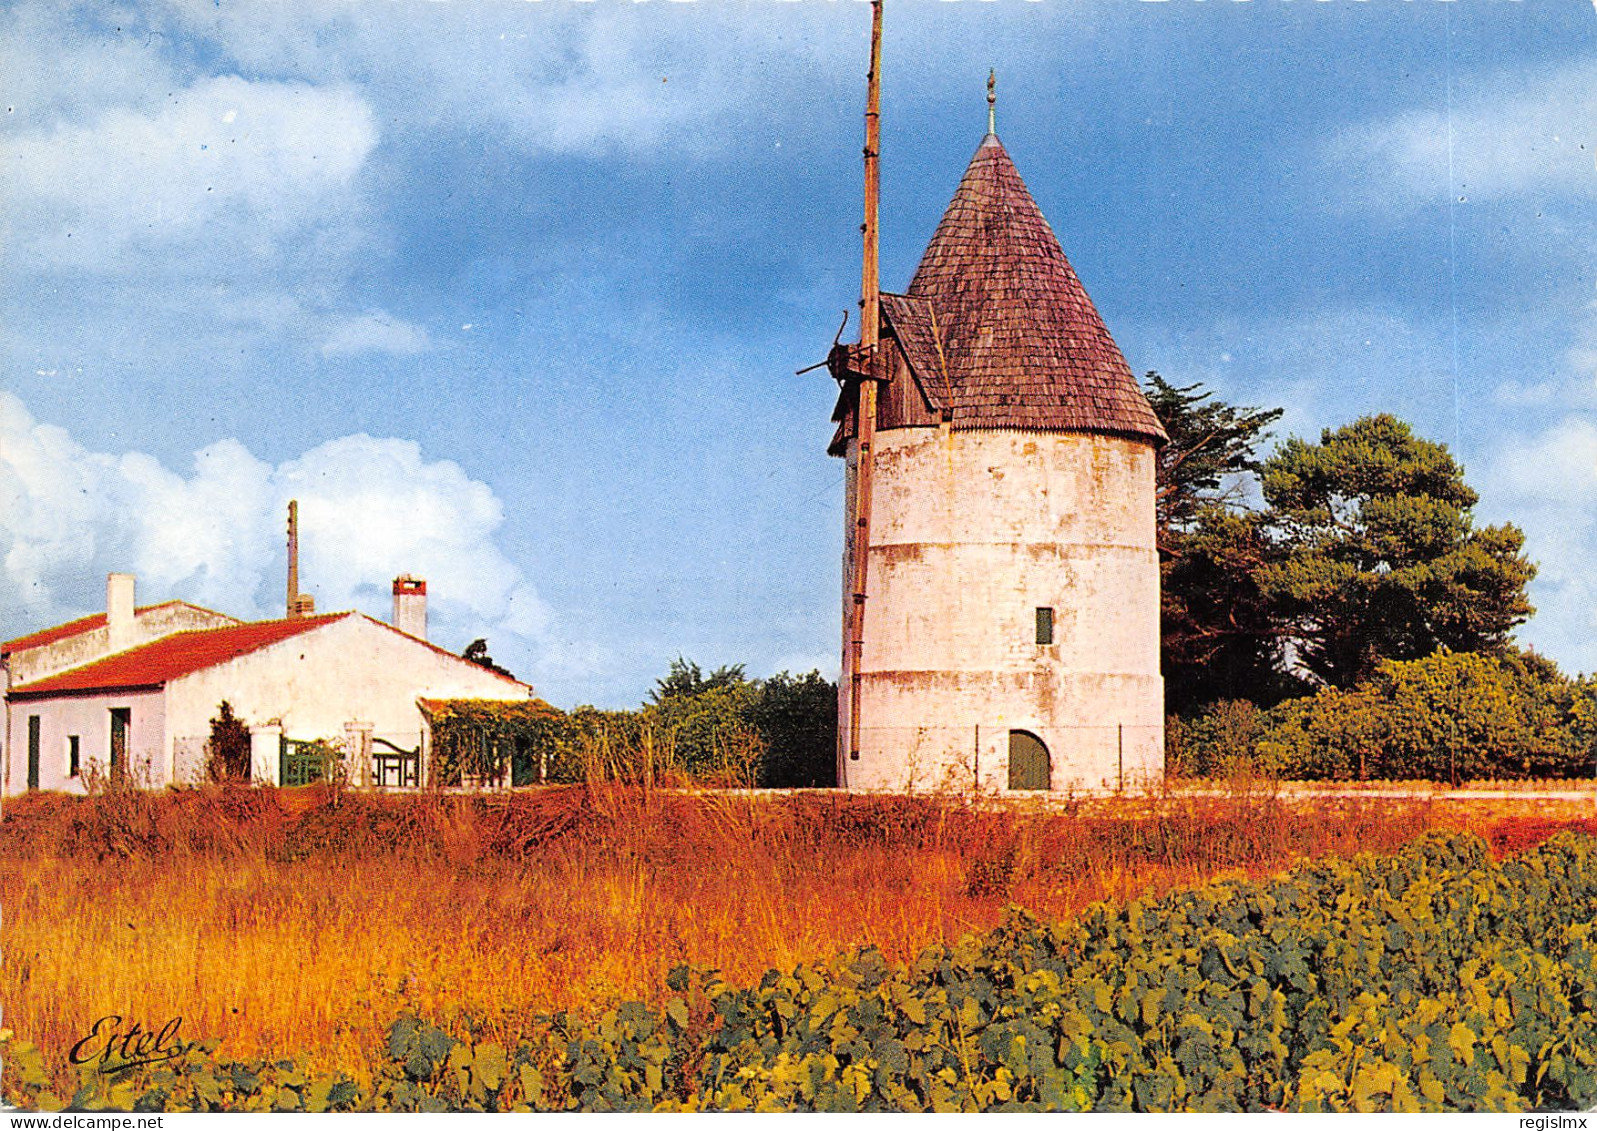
975	532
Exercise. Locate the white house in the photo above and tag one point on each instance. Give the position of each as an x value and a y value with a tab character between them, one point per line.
145	710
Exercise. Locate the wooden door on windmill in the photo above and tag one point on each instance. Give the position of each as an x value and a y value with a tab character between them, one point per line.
1028	761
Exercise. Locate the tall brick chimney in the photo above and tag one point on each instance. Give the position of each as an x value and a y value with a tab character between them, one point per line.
410	605
119	610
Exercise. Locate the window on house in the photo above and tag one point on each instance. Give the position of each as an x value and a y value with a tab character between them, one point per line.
72	755
1045	624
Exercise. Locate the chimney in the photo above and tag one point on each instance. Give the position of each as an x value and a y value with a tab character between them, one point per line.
410	605
119	610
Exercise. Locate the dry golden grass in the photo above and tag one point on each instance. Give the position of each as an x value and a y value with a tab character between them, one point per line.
300	922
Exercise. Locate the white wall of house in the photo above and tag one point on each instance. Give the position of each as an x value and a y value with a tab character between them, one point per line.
89	718
136	627
353	669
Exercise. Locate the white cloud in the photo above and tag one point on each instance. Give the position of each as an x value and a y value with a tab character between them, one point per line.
594	79
232	170
1558	466
199	535
50	493
62	65
1581	358
567	78
579	78
221	208
376	332
370	509
1518	394
1522	134
1546	484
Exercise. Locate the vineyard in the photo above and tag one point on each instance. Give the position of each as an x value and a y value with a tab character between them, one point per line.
1428	975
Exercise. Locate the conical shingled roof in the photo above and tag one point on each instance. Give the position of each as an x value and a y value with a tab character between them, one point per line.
1022	343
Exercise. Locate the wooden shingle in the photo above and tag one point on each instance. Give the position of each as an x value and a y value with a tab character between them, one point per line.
1022	346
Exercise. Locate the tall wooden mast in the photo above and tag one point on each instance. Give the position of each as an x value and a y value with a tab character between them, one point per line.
293	559
865	415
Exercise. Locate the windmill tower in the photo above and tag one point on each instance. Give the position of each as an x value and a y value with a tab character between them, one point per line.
1001	582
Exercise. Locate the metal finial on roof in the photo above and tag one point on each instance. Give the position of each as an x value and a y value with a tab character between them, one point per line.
992	102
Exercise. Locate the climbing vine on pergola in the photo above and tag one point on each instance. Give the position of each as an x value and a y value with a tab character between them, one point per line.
475	738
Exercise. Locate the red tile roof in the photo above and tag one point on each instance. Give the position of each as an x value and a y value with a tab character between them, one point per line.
157	663
51	635
73	628
1023	346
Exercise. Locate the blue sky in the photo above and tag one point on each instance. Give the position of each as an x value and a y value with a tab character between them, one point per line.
510	294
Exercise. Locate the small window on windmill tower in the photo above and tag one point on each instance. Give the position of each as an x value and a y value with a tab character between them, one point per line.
1045	624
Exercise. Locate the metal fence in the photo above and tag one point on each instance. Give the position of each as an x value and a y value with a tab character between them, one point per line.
393	760
306	761
396	760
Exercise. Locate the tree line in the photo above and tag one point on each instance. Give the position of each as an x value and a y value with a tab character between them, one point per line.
1308	568
721	727
1333	611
